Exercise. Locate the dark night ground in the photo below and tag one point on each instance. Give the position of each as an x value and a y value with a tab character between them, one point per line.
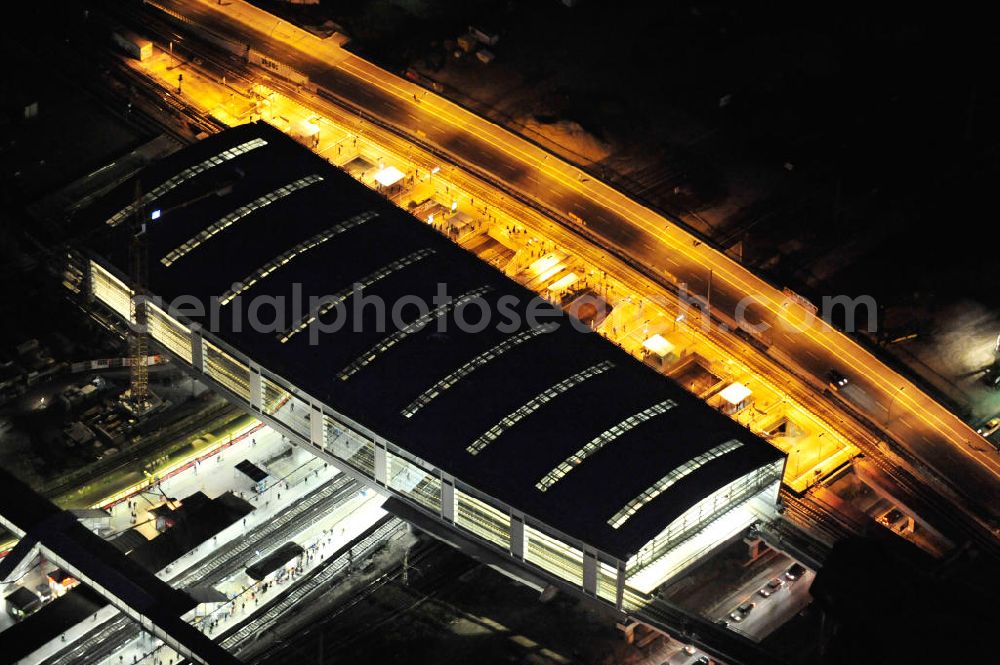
899	108
887	113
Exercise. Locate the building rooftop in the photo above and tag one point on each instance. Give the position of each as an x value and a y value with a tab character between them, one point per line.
553	421
99	565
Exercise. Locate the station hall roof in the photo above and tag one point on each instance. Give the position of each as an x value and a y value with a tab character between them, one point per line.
250	213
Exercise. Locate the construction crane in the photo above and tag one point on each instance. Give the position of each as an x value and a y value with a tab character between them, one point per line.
137	399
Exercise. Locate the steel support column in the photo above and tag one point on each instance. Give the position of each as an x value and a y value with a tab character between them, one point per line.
448	499
590	573
517	536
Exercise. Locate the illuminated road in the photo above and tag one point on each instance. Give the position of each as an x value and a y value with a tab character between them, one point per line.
923	426
770	612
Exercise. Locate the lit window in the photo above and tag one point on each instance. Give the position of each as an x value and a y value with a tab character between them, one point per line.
236	216
663	484
536	403
483	358
482	519
299	249
182	177
169	332
600	441
416	325
228	371
111	291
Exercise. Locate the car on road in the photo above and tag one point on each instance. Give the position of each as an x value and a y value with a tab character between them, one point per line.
989	428
836	380
703	660
795	571
741	612
991	376
771	587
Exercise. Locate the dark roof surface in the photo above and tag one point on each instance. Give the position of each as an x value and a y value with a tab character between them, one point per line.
581	503
274	560
59	615
251	471
97	560
196	520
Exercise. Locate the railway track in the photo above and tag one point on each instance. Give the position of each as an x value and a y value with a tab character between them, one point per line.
114	634
165	26
806	515
315	583
276	532
354	619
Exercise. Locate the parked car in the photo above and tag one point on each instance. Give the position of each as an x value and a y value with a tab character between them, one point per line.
771	587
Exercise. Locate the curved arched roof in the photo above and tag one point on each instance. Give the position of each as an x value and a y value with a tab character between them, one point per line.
500	410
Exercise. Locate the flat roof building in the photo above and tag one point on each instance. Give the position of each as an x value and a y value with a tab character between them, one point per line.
538	436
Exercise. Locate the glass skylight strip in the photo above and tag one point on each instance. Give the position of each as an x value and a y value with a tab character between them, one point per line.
299	249
184	176
663	484
239	214
344	294
536	403
601	440
417	324
468	368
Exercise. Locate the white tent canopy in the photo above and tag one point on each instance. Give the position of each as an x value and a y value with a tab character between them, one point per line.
659	345
389	176
735	393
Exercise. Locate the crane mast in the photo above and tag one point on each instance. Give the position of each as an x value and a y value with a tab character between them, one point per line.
138	399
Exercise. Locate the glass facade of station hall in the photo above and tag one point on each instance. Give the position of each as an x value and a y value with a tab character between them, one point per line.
359	451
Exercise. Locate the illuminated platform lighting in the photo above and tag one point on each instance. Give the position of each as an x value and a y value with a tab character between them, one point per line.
547	262
564	282
308	128
649	577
